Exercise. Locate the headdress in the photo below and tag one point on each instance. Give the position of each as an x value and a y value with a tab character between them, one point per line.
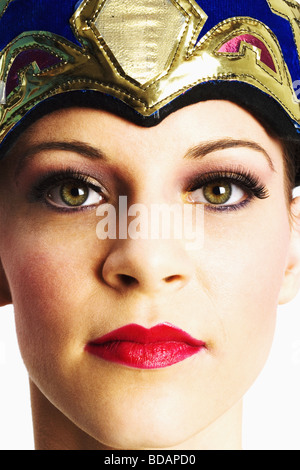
146	58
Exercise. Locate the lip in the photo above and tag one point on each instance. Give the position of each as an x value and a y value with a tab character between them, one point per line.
135	346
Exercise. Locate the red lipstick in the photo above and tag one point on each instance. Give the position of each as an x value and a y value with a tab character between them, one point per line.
135	346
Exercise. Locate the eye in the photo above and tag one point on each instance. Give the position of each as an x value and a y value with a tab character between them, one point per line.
74	194
226	190
221	192
68	191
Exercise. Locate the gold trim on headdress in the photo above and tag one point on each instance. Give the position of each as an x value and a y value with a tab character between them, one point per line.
146	54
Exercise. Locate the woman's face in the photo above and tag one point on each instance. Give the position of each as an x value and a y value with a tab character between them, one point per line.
70	287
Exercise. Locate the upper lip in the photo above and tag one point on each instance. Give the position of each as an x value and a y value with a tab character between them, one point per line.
163	332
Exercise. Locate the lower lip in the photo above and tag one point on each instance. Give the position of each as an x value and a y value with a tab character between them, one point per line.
152	355
143	356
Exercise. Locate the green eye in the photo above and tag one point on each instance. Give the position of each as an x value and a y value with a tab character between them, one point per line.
225	190
74	194
220	192
217	192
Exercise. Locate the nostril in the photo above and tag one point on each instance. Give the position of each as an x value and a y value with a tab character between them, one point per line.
173	278
127	280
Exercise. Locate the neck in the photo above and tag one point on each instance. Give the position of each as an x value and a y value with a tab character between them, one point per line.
54	431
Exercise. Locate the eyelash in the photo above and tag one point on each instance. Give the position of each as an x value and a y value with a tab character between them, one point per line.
243	179
52	179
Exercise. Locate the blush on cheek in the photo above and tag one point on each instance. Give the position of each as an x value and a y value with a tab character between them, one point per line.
47	292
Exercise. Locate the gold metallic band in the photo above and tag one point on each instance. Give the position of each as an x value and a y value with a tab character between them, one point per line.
144	54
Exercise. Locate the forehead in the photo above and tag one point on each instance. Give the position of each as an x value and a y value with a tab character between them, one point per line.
127	143
198	121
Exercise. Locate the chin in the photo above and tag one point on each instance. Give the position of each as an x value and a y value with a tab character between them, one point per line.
154	439
145	426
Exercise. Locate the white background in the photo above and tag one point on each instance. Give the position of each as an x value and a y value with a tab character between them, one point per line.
272	406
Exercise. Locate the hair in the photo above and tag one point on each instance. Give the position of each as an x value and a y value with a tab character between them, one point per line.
291	160
290	145
291	154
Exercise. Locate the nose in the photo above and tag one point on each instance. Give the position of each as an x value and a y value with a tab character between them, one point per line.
150	266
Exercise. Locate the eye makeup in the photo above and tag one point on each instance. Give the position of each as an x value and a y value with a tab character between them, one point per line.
216	188
219	190
68	191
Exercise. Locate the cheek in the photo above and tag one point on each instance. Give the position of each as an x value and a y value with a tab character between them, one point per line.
246	270
50	286
249	250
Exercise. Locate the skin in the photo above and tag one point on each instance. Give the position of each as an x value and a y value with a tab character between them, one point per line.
68	287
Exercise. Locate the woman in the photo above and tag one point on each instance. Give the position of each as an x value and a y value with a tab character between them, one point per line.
134	340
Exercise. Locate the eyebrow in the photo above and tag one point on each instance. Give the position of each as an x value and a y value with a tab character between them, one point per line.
81	148
205	148
92	153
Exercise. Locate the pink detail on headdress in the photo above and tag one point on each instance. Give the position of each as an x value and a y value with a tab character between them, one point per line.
43	59
233	46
